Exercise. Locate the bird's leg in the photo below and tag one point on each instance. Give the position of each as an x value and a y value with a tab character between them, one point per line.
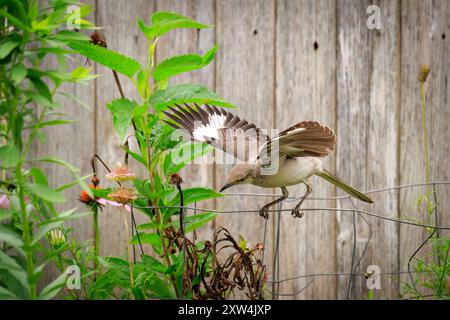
264	212
296	212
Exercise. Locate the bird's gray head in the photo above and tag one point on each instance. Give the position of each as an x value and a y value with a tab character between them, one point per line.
240	174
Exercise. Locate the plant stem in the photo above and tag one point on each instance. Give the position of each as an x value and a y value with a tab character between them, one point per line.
130	258
96	238
26	233
425	139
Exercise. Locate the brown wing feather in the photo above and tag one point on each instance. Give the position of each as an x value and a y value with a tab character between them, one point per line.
307	138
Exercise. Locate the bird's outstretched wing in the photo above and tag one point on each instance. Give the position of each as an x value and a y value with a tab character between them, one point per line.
219	128
307	138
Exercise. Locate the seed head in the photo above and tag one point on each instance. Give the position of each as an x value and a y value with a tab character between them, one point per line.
423	72
121	173
98	39
176	179
123	195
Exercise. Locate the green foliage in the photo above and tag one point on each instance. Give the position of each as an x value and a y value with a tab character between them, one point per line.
162	155
33	230
428	273
185	93
106	57
122	113
29	33
179	64
163	22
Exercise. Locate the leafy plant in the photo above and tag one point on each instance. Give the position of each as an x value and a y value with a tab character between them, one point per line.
32	231
180	266
431	271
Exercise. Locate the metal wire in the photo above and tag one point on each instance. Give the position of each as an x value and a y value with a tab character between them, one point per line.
276	281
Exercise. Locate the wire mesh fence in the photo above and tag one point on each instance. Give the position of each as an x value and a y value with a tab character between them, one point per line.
273	285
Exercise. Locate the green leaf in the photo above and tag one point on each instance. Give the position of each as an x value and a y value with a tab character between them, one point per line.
46	193
75	99
135	156
53	287
65	164
106	57
162	22
185	93
82	75
153	264
122	113
179	64
192	222
7	45
196	194
5	214
10	237
5	294
38	176
44	229
14	269
196	221
151	238
183	154
71	35
69	167
56	122
41	87
40	99
9	156
18	73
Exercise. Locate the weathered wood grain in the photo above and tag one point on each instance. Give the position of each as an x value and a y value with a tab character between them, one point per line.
282	62
245	76
305	90
425	30
367	104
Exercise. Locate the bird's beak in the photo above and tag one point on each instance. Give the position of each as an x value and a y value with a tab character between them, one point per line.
226	186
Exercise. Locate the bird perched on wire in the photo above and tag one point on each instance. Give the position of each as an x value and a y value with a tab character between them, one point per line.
289	158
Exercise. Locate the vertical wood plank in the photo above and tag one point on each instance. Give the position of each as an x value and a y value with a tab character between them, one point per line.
122	34
184	41
305	82
425	30
245	76
367	104
70	143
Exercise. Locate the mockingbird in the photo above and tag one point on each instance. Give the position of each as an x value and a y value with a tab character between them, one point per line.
297	151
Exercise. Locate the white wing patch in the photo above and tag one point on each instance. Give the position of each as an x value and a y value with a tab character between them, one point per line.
211	130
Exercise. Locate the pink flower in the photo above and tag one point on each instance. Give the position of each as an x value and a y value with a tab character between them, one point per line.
4	202
113	203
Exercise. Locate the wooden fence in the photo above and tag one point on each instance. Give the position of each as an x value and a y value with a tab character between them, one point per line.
283	62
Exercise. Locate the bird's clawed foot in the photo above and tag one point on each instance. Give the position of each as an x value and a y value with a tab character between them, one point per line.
264	212
297	213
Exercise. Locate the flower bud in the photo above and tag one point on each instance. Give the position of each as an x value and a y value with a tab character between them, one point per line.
57	239
423	73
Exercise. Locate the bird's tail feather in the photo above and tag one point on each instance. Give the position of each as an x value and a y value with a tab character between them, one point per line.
342	185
